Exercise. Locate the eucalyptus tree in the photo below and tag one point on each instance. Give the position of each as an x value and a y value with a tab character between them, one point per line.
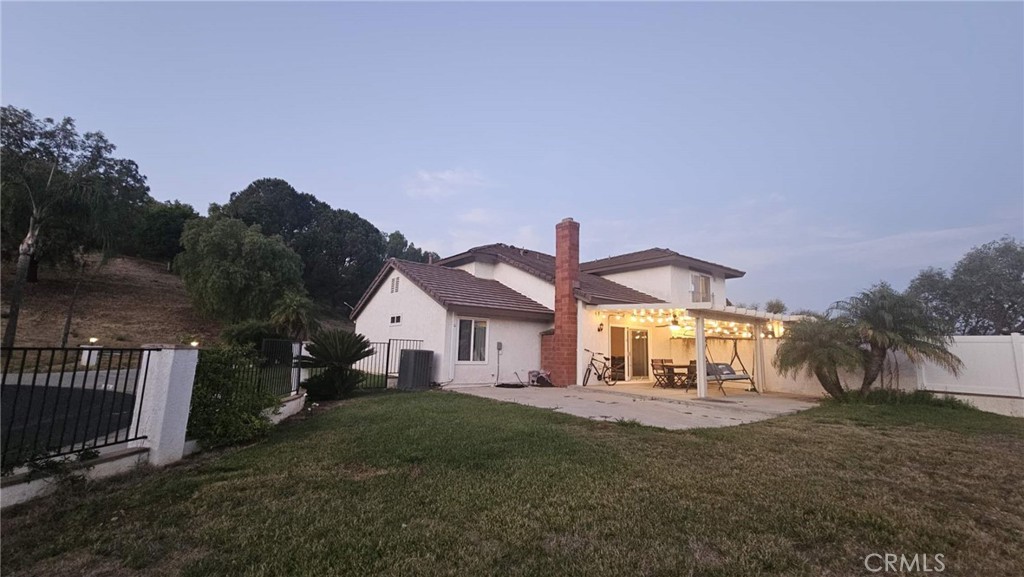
62	192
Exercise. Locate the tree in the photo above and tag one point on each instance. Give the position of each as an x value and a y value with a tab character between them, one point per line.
158	234
775	307
276	206
233	272
888	321
399	247
984	293
294	315
820	346
341	252
62	191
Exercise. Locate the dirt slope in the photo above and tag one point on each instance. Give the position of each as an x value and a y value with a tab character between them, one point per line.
126	302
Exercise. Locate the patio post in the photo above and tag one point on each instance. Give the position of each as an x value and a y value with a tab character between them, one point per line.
702	363
759	362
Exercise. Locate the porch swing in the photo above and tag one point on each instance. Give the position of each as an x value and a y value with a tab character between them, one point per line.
722	372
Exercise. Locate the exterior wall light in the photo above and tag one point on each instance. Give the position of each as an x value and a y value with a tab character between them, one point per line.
600	327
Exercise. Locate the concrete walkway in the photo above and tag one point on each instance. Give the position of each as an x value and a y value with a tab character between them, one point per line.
668	409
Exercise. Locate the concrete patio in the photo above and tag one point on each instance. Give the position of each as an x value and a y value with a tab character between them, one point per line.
665	408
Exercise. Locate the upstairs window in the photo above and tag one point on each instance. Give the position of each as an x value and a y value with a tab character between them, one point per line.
472	340
701	288
396	319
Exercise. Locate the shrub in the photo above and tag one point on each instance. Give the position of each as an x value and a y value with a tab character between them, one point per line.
333	383
335	352
250	334
227	407
896	397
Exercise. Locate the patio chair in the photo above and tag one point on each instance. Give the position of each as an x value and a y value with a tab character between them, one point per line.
659	372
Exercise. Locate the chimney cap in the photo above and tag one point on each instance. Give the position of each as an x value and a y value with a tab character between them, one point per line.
568	219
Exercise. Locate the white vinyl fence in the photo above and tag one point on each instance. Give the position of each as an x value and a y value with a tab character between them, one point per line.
992	377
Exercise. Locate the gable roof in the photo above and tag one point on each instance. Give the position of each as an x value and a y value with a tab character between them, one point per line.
592	290
459	291
653	257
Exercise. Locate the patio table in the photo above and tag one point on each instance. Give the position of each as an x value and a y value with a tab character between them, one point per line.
678	375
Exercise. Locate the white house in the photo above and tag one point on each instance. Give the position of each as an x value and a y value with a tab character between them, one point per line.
495	312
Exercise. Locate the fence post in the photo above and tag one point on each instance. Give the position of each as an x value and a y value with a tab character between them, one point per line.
296	370
387	364
1017	342
163	416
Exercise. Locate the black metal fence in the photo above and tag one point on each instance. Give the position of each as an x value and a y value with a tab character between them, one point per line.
278	374
58	401
383	364
271	371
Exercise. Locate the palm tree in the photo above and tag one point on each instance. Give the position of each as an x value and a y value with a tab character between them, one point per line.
294	315
886	320
820	346
336	352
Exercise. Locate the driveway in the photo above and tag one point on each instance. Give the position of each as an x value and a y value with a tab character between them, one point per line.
656	408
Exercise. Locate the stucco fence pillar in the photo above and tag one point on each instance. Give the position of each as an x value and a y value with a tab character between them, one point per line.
163	415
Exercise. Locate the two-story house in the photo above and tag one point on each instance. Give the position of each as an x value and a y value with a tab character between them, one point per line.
493	313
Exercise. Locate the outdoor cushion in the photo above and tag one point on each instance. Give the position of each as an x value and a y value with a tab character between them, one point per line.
723	369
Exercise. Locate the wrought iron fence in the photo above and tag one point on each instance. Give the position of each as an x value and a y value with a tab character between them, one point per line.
59	401
383	364
278	374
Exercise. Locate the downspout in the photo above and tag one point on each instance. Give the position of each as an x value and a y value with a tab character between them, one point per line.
451	345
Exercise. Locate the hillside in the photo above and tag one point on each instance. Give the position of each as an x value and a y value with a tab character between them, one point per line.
126	302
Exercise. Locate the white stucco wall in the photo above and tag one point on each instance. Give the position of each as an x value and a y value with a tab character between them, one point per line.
669	283
526	284
422	318
520	352
478	269
656	282
520	281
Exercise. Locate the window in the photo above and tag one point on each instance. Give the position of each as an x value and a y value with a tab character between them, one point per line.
472	340
701	288
394	284
396	319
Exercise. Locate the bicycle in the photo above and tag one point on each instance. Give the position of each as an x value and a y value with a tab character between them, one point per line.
601	368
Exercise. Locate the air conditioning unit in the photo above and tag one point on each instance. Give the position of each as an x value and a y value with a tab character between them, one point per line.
415	369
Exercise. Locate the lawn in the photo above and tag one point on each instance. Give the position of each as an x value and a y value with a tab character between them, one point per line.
444	484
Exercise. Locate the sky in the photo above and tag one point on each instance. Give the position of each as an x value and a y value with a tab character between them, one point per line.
820	147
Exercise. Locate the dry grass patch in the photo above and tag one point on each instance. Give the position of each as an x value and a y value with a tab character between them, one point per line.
126	302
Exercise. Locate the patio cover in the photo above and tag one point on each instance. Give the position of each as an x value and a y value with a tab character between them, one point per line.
762	323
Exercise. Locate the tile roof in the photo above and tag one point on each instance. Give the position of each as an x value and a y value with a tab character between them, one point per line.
592	290
460	291
655	257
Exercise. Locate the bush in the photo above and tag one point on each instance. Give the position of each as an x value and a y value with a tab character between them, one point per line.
227	407
250	334
335	352
895	397
333	383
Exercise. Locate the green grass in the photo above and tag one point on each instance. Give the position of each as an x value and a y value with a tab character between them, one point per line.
438	483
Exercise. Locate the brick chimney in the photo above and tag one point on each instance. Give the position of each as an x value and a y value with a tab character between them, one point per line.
563	351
